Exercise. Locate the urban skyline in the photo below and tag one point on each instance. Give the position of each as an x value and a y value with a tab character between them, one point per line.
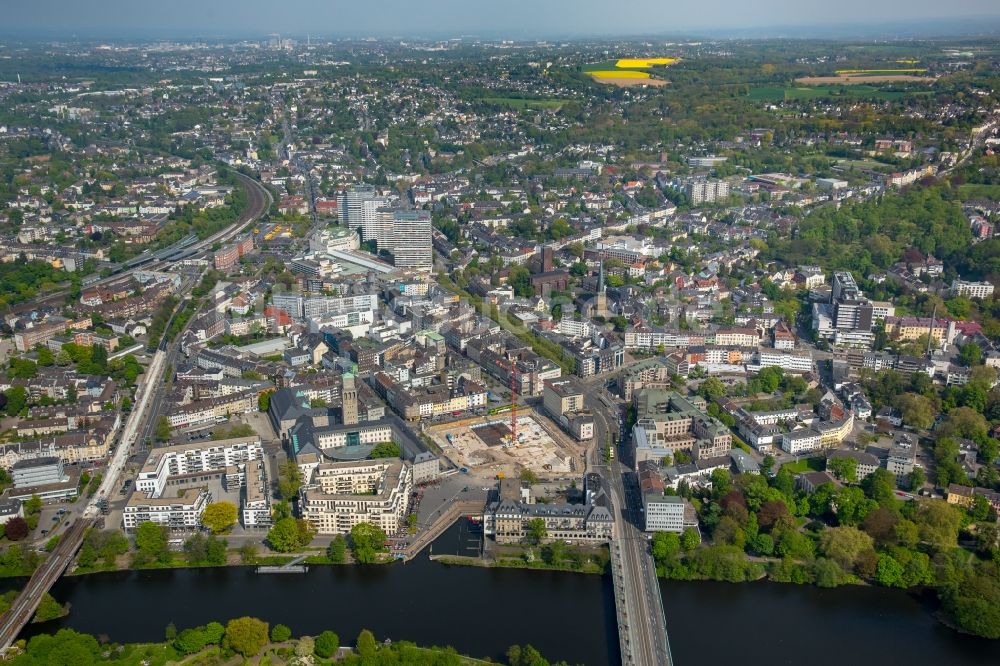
123	19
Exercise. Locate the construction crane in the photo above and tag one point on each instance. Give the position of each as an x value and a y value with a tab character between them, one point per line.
513	404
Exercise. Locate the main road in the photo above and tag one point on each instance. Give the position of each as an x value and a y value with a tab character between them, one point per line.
642	629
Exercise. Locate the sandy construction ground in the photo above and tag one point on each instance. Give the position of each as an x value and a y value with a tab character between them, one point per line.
627	82
484	445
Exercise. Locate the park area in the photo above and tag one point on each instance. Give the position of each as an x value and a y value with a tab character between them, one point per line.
486	444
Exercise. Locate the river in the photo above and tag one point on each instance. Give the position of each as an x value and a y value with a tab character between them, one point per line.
566	616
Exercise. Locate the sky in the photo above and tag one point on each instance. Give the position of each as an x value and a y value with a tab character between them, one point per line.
513	18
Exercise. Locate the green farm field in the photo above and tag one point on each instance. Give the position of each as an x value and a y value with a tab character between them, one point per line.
819	92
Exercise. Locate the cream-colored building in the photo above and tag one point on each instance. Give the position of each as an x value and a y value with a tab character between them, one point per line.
344	494
181	513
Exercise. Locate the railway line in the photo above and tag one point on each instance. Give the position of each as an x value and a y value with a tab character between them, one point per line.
26	603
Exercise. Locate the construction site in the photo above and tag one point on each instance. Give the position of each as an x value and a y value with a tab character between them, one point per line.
486	445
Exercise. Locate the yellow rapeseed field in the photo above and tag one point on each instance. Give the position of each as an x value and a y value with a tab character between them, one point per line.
640	63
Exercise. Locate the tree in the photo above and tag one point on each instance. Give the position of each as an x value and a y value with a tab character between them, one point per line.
289	480
689	539
163	429
367	541
280	633
215	551
980	508
827	572
289	534
880	485
916	479
529	477
385	450
762	544
535	530
193	640
46	357
917	411
988	451
366	645
970	354
246	635
33	505
666	546
964	422
219	517
770	379
337	549
712	389
844	468
99	357
792	543
151	543
264	401
728	532
196	549
889	572
16	528
17	399
520	281
845	545
327	644
880	525
938	523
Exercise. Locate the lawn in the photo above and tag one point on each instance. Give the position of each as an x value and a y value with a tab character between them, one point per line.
978	191
806	465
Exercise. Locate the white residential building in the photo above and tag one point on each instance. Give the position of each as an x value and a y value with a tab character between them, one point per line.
971	289
801	441
181	513
785	361
183	459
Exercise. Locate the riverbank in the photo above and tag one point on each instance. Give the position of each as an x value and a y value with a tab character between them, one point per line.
245	640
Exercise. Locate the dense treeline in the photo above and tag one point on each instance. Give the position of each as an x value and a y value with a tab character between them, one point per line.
859	531
871	236
243	639
23	280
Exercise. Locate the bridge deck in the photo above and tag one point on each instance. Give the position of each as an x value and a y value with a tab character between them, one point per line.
26	603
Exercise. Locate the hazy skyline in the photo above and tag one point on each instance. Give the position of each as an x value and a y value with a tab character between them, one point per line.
237	18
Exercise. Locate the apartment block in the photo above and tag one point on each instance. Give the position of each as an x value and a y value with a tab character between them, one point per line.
341	495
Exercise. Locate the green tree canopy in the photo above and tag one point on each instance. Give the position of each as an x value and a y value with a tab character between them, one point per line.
246	635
